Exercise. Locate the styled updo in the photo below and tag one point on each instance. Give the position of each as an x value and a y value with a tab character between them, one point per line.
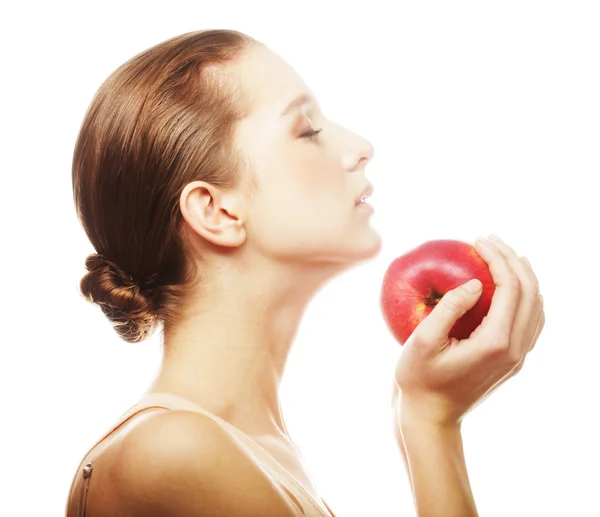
163	119
121	299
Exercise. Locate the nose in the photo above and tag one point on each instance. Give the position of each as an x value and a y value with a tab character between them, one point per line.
361	151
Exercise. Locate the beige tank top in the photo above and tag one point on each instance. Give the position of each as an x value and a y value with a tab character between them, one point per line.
299	497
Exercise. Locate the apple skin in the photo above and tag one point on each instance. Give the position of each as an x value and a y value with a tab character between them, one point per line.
414	283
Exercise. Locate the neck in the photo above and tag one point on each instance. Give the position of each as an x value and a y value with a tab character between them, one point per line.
228	354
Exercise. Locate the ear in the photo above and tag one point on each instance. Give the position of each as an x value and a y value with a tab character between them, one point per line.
213	213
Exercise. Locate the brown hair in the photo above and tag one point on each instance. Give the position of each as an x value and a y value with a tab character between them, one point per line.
161	120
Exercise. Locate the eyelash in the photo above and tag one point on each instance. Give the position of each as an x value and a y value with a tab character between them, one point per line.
312	134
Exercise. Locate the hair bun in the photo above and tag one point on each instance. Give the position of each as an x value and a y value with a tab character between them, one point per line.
121	299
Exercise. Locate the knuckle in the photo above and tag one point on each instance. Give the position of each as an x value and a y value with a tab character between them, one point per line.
527	282
530	293
499	348
539	322
514	358
514	284
423	336
420	337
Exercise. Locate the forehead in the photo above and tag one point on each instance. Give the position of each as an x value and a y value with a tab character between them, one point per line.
270	81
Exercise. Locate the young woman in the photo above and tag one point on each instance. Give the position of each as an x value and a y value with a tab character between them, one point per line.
219	199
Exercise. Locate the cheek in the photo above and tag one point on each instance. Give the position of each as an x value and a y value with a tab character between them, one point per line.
307	178
306	183
300	213
319	178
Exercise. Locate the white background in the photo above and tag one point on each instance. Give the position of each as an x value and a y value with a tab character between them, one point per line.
485	117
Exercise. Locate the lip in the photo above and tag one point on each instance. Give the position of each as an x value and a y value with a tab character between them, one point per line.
365	207
367	191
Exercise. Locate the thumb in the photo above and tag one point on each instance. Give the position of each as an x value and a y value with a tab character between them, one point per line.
434	329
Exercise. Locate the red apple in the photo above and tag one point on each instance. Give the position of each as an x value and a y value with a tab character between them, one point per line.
414	283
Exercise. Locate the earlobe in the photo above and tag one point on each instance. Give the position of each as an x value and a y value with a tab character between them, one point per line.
211	214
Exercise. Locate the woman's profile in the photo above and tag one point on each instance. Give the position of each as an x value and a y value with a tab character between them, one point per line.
219	199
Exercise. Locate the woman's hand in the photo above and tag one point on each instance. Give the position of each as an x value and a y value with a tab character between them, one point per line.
441	379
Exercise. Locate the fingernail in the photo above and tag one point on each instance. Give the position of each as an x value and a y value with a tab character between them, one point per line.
494	237
483	242
473	285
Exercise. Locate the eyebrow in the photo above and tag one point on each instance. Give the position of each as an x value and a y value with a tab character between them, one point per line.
303	98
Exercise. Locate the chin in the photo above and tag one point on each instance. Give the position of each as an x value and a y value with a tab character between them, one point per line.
373	250
349	248
366	248
343	259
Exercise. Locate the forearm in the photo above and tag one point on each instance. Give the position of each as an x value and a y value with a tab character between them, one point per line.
435	461
399	439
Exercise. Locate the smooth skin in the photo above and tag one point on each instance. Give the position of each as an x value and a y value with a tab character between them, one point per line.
267	247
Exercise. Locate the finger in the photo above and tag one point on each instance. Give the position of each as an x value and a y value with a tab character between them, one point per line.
395	391
531	339
541	301
432	332
519	365
531	273
538	331
541	319
495	331
527	315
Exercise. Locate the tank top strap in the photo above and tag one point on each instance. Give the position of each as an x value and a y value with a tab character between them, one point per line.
176	402
132	411
85	471
263	459
259	453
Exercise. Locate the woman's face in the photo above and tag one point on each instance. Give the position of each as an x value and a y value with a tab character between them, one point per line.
304	206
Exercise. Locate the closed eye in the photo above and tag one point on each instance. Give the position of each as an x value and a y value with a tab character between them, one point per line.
312	134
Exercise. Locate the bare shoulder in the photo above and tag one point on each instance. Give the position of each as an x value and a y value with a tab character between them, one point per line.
182	463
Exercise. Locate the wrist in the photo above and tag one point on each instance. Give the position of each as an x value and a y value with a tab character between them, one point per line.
426	416
435	459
